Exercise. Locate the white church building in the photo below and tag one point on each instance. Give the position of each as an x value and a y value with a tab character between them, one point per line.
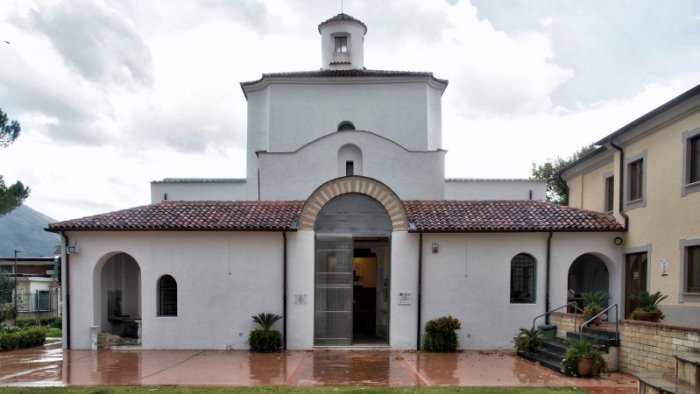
345	225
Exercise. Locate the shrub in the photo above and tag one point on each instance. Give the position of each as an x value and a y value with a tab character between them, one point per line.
578	350
647	302
22	338
440	334
7	312
527	339
262	341
54	322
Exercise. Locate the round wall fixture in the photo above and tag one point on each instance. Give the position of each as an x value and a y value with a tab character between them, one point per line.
618	241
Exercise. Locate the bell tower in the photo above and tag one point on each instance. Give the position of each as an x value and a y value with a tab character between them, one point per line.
342	40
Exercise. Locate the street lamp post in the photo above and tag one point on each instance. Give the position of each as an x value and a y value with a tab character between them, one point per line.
16	294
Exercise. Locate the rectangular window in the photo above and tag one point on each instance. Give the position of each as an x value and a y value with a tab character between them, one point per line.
694	159
349	168
693	269
341	44
609	193
635	171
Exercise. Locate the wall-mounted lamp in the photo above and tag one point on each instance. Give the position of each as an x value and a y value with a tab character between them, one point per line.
618	241
435	247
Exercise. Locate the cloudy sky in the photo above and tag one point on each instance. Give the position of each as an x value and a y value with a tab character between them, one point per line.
114	94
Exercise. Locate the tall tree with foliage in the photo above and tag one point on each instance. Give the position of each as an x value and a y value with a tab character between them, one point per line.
10	196
548	171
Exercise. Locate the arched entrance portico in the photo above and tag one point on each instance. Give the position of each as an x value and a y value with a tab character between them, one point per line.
353	218
588	273
118	295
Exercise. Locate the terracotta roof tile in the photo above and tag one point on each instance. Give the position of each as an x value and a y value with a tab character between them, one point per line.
342	17
504	216
193	216
425	216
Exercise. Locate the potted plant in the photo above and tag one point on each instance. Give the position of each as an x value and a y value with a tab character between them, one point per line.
440	335
582	360
527	339
593	302
647	306
263	339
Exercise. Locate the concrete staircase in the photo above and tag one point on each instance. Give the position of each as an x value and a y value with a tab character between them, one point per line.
550	353
684	380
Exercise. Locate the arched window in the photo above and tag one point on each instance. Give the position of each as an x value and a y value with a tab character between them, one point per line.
346	125
522	279
167	296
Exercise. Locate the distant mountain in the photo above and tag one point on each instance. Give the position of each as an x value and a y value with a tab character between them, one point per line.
23	230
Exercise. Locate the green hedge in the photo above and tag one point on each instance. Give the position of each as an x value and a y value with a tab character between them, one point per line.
440	335
11	339
265	341
54	322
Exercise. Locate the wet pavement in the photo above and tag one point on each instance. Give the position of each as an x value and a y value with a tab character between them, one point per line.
51	366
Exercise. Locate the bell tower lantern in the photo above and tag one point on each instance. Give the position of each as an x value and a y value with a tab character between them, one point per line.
342	40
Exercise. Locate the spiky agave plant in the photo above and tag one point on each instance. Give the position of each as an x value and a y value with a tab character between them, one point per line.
266	320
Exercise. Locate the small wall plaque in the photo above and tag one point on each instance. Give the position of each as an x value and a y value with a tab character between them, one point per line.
404	298
664	267
300	299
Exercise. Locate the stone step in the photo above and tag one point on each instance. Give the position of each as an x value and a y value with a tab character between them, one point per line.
557	346
542	360
658	382
601	332
601	343
688	369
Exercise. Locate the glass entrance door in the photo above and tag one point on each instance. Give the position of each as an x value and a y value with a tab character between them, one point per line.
333	292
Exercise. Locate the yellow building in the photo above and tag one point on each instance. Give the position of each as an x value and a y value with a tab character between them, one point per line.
648	175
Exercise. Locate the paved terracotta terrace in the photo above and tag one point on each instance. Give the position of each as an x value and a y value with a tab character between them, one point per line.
51	366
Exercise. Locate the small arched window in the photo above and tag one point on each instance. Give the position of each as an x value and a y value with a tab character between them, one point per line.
167	296
522	279
345	125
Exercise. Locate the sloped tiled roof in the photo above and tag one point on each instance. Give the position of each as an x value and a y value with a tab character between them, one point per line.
192	216
342	17
351	73
504	216
425	216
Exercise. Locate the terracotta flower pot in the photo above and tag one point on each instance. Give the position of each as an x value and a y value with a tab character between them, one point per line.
584	367
647	316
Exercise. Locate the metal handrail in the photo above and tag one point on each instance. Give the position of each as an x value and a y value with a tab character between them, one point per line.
572	303
617	322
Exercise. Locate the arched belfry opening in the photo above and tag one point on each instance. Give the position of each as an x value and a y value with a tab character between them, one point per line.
351	267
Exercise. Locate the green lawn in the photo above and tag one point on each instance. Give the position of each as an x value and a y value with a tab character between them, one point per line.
274	390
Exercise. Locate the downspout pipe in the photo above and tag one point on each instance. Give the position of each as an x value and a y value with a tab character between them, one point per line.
284	290
620	182
547	304
66	286
420	285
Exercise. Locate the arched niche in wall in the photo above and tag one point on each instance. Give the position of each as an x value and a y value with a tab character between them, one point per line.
349	160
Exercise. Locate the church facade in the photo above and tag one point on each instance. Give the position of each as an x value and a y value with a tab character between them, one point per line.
345	225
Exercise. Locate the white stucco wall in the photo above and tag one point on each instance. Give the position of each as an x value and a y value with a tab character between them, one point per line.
300	290
469	278
223	279
193	191
495	189
412	175
355	34
404	279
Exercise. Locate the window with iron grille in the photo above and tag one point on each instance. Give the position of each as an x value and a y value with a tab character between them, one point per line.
167	296
522	279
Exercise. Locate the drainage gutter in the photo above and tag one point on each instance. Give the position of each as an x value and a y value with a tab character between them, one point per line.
420	285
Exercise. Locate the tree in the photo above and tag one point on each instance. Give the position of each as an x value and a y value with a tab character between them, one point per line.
10	197
549	171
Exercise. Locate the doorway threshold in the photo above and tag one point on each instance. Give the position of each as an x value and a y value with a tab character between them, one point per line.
363	346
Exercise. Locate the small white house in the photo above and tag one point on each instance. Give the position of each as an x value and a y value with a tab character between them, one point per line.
345	225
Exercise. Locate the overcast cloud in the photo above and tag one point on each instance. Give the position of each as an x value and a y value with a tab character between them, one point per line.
113	94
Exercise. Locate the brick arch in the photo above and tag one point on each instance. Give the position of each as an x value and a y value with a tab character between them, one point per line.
354	184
